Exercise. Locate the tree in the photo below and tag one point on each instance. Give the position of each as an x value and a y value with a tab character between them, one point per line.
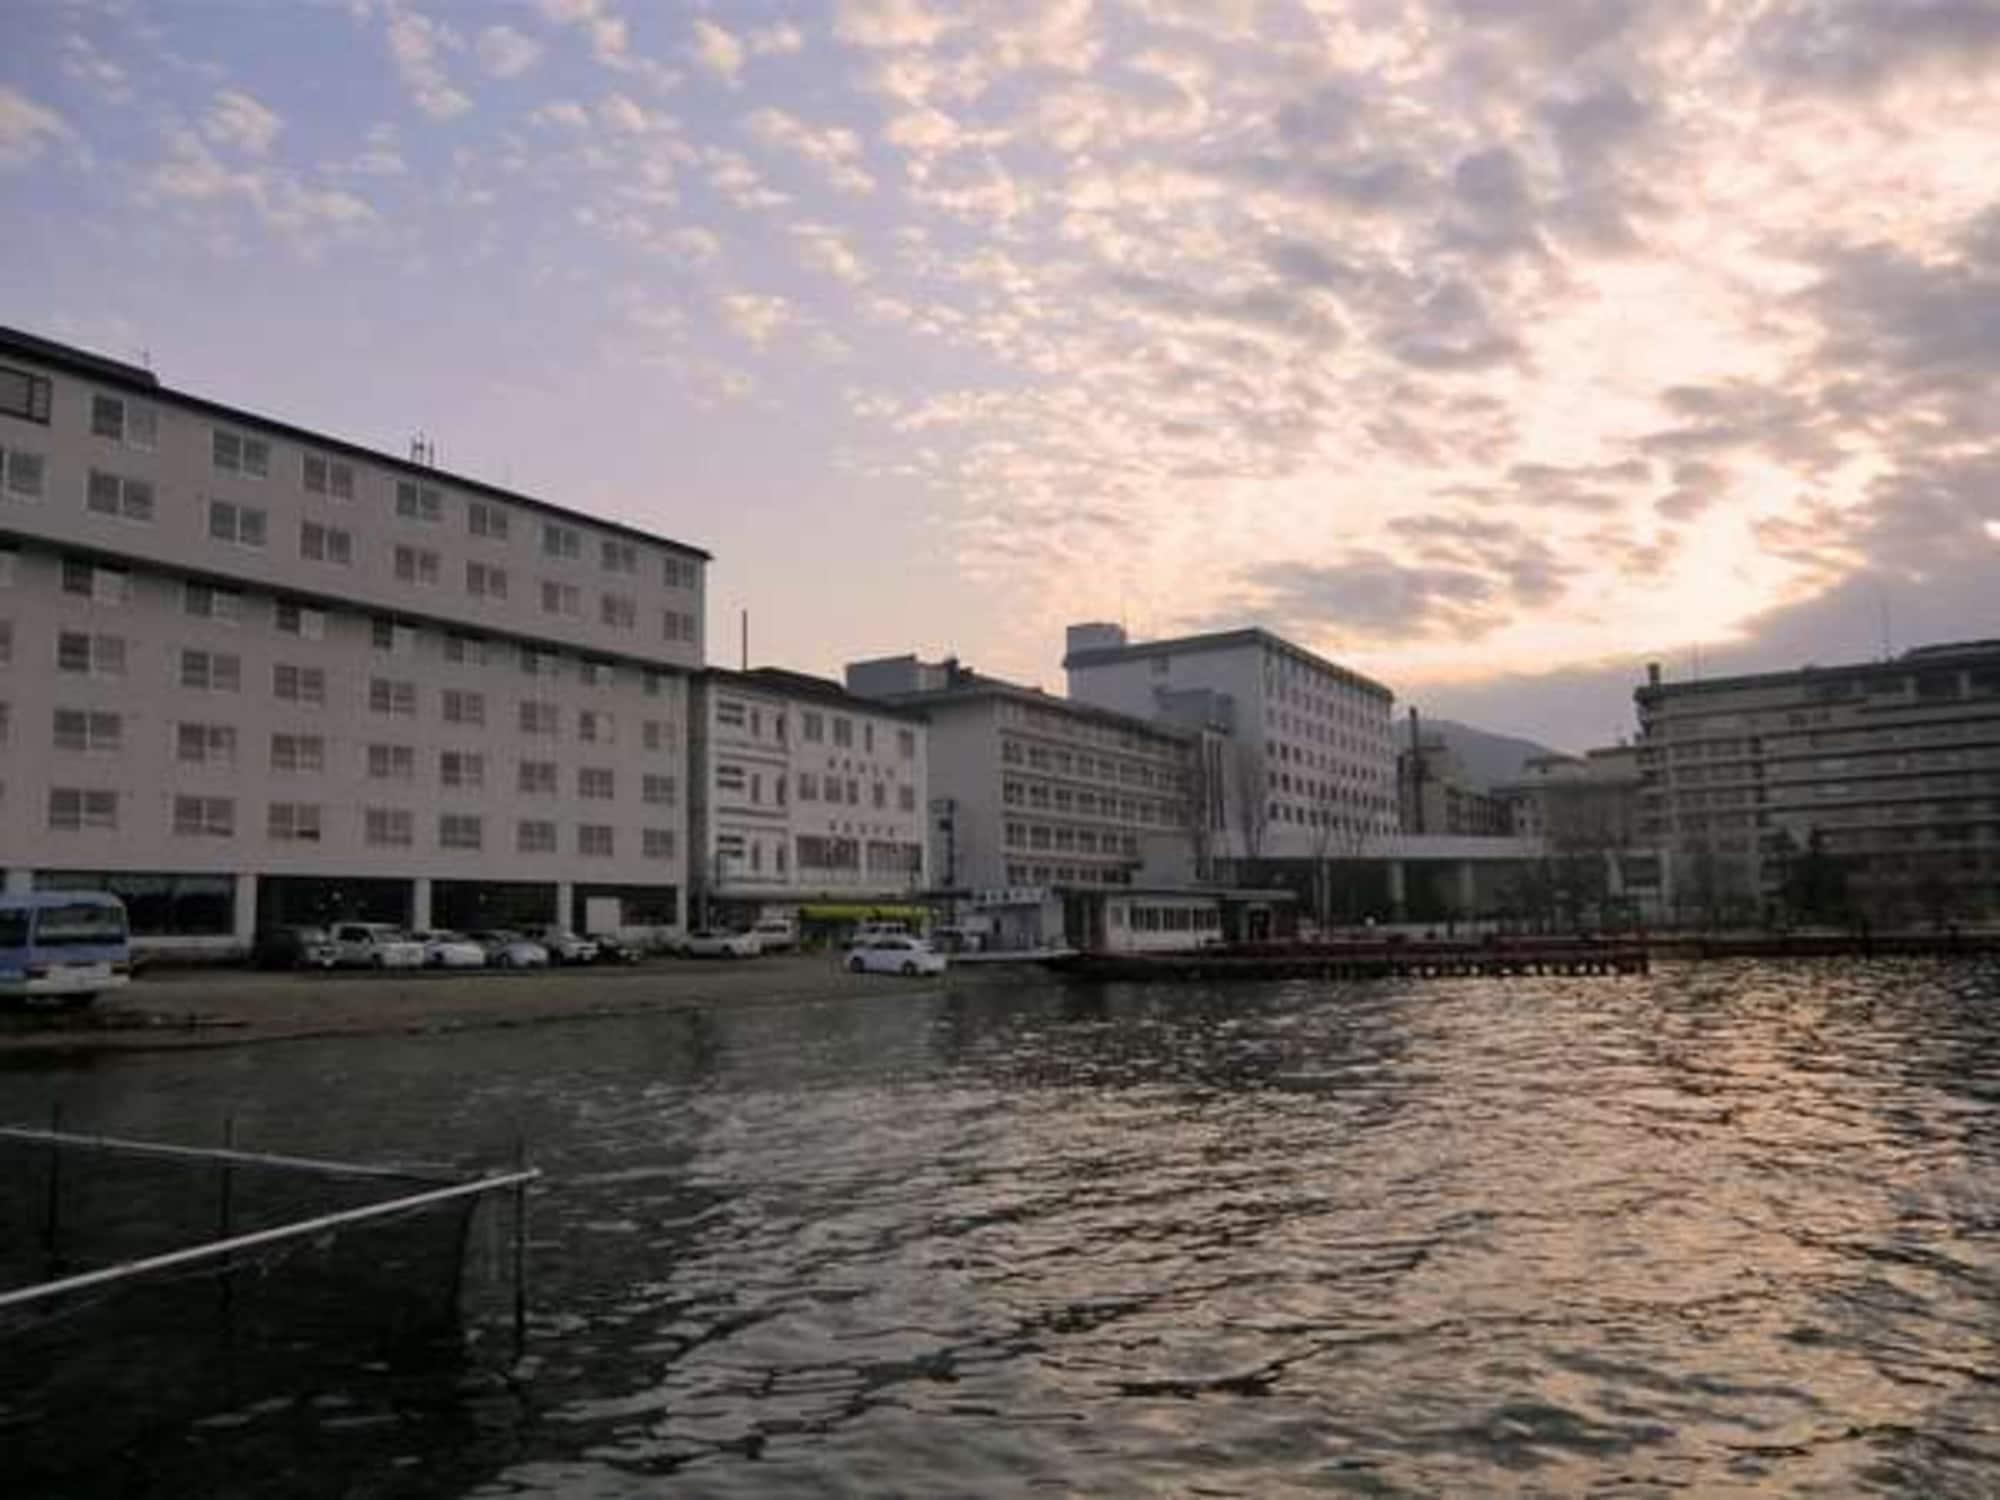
1202	805
1252	786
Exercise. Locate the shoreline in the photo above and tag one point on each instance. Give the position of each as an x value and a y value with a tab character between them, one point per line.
182	1009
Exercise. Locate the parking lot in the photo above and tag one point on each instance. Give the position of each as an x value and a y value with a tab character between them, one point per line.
194	1007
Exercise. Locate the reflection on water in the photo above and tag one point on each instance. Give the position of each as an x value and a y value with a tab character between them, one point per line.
1727	1230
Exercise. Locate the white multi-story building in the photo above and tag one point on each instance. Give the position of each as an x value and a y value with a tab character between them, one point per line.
804	794
252	674
1314	758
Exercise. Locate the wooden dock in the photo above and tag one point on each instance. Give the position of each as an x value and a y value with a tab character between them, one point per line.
1495	959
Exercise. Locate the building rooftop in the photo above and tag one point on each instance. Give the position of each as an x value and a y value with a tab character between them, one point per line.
815	689
1222	640
114	373
1943	653
963	685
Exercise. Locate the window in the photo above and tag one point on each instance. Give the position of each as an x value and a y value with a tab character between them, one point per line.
728	711
595	727
388	827
597	673
392	763
619	612
294	684
561	598
537	778
464	708
462	769
595	840
595	783
224	606
465	650
620	557
676	625
387	635
331	477
868	738
240	524
128	422
293	822
484	581
679	572
95	582
906	743
653	734
658	790
483	518
76	729
24	394
298	752
416	565
419	502
843	734
658	843
21	473
211	671
812	728
204	817
535	836
205	744
538	717
238	453
881	795
328	544
729	778
72	809
561	541
808	787
906	799
391	695
301	620
459	831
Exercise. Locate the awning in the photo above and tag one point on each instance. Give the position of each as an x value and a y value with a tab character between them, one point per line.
847	913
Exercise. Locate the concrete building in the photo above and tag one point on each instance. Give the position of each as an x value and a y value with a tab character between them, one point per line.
1872	787
1030	792
805	796
1436	795
1583	810
1312	767
253	674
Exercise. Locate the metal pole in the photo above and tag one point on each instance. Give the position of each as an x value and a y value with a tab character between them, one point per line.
29	1135
523	1177
55	1187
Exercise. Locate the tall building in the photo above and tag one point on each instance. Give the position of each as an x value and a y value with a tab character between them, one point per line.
1314	761
1436	794
1873	786
1031	791
253	674
804	794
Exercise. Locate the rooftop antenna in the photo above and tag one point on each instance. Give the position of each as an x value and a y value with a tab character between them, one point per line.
746	640
1882	609
423	451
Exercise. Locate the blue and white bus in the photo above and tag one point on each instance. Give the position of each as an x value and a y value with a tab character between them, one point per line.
66	945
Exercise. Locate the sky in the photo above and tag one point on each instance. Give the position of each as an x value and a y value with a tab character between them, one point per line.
1492	347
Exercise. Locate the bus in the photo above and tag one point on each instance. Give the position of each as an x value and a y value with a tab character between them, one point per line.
63	945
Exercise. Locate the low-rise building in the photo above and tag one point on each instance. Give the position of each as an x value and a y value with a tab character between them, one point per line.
805	796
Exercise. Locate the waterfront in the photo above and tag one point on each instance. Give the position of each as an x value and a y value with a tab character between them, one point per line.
1728	1229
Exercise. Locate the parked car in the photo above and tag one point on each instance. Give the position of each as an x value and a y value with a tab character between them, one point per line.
375	945
897	955
706	942
293	948
565	947
450	950
613	949
775	935
873	932
509	950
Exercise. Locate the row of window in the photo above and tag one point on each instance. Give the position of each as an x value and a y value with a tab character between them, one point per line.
1060	762
79	809
1065	838
733	713
1084	802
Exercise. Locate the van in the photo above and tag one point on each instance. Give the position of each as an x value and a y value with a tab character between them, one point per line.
775	935
868	932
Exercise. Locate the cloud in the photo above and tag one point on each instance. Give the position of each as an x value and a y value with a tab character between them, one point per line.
415	43
824	248
82	61
890	23
836	151
239	121
755	317
566	113
718	51
26	128
281	200
776	40
504	52
1370	596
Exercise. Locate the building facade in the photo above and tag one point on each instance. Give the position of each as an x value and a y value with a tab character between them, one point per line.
252	674
1313	765
1871	788
1436	795
804	795
1032	791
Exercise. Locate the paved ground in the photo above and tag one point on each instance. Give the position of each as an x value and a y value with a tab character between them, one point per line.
176	1008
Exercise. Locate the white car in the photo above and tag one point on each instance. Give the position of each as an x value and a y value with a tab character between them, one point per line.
705	943
896	955
375	945
509	950
870	933
565	947
450	950
775	935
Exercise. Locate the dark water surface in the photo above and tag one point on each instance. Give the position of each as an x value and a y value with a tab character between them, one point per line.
1728	1230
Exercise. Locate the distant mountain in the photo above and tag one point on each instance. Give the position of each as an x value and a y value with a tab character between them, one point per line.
1488	759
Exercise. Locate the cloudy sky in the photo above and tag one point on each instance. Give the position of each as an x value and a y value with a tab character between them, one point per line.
1492	346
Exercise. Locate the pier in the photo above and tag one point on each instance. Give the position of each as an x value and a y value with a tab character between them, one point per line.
1431	959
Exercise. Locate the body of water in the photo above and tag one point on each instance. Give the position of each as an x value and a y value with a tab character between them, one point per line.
1724	1230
